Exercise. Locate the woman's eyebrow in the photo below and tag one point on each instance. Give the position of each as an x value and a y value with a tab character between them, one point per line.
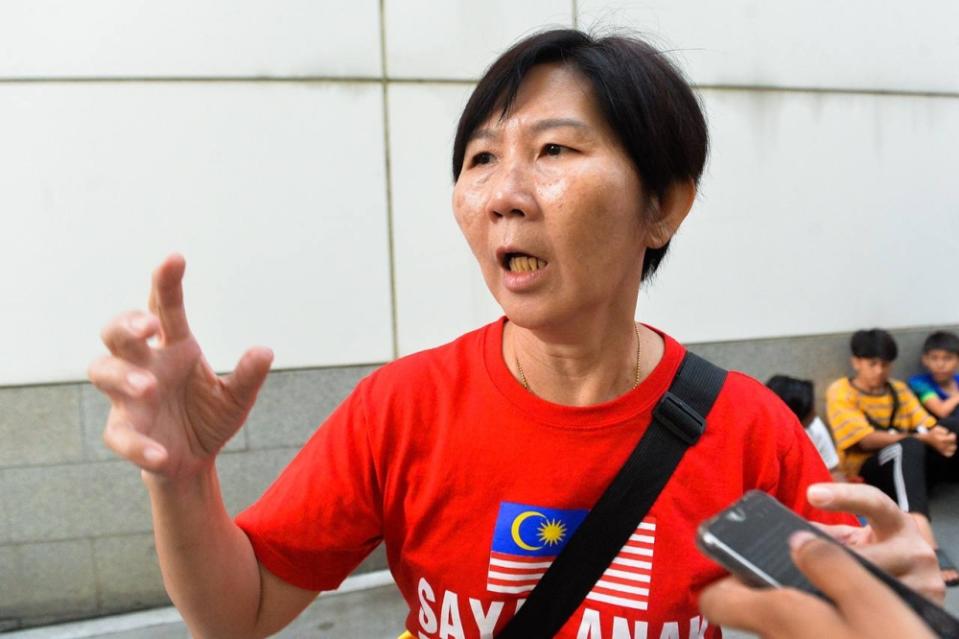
486	134
556	123
537	127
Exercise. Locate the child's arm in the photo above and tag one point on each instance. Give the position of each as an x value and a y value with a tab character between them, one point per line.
941	407
922	386
941	439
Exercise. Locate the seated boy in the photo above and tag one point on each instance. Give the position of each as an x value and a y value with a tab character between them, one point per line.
799	397
885	435
938	389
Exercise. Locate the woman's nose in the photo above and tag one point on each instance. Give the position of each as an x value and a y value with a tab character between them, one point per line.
511	193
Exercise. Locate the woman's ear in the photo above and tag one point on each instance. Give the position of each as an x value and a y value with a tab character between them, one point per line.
670	212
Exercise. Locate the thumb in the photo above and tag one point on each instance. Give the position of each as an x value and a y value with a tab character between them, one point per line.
247	378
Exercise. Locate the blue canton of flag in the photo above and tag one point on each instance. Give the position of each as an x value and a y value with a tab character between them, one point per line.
525	541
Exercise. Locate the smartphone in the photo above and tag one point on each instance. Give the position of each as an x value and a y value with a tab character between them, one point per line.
751	540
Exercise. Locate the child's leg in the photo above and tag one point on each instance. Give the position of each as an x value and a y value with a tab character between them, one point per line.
899	470
939	468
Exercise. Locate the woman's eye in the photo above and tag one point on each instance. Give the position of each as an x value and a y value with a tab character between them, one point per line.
484	157
553	149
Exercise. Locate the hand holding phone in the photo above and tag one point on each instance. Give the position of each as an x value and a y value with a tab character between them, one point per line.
891	540
864	607
751	539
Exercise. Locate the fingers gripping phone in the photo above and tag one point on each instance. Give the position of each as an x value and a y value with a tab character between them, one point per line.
751	540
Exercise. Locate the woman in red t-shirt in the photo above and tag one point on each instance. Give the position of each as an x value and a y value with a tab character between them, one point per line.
575	162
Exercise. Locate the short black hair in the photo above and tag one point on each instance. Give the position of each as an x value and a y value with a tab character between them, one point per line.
941	341
874	343
797	393
643	97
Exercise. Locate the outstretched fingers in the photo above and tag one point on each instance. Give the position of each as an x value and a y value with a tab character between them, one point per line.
123	439
248	376
122	380
166	298
126	335
884	515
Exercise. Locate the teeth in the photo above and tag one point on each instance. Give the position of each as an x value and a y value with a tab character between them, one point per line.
525	263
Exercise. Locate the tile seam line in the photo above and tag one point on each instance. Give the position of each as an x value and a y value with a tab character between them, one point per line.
97	582
91	538
117	460
239	79
379	80
758	88
292	369
388	180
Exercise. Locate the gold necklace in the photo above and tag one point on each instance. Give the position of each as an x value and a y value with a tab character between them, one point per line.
522	375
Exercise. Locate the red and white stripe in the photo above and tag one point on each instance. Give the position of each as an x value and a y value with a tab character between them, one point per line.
514	574
625	583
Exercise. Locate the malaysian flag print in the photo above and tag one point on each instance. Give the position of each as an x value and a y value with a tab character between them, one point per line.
626	581
528	538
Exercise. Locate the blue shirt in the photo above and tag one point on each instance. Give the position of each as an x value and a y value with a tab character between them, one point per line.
924	386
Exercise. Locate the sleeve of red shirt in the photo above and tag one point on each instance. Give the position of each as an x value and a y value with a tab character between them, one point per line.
802	465
323	514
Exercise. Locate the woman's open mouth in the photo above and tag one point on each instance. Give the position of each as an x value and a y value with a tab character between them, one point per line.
522	263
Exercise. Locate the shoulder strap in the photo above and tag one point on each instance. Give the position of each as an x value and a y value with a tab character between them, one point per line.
678	422
895	404
891	425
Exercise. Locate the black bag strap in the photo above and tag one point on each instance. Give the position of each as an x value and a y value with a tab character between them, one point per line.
678	421
892	416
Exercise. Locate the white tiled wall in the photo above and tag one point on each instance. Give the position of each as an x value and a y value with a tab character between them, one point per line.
428	39
819	213
275	194
440	292
849	45
180	38
820	208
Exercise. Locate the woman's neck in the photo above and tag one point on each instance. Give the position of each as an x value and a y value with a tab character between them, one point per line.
581	367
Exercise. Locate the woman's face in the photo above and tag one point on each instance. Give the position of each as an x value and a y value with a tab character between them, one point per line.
551	205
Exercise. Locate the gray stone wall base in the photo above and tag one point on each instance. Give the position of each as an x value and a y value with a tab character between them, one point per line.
75	530
820	358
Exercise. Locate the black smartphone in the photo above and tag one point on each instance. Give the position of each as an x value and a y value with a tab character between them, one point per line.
750	539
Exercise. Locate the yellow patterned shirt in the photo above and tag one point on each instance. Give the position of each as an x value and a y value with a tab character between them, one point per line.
847	409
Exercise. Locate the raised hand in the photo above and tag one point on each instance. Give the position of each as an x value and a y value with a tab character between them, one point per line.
170	412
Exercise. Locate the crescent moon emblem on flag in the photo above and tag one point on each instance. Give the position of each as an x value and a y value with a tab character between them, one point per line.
519	522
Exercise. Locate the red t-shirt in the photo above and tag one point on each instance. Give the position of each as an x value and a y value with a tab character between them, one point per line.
473	483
